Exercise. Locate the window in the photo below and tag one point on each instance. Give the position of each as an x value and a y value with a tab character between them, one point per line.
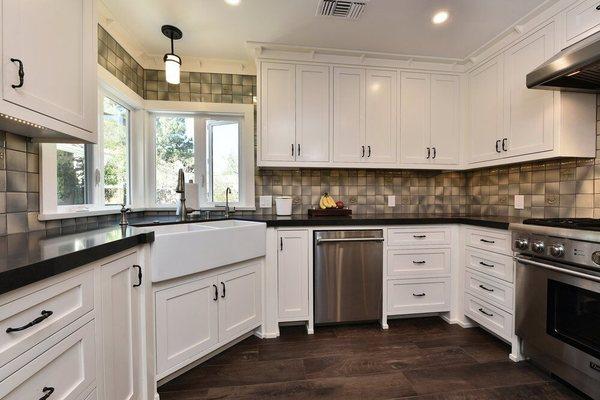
72	174
115	140
174	150
223	161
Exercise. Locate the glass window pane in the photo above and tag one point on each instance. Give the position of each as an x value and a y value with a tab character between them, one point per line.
225	160
174	150
116	152
71	174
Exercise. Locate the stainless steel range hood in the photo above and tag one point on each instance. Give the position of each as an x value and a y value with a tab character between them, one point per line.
575	69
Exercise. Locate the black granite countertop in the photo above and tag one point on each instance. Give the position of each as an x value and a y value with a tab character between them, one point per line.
30	257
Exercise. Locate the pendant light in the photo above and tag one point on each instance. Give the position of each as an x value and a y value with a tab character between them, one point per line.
172	60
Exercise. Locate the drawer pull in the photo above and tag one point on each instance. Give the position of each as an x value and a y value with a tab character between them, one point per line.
486	264
47	392
139	275
419	295
419	262
481	310
223	295
216	293
45	314
419	236
486	289
487	241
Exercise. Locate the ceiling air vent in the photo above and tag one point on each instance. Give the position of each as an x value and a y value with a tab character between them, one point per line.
342	8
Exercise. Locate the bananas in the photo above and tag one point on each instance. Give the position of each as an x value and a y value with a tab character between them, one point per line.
326	202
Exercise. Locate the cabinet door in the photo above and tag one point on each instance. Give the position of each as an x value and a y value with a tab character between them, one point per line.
348	114
312	113
381	113
582	20
445	133
415	117
486	109
240	304
120	328
292	269
56	42
187	323
529	118
277	110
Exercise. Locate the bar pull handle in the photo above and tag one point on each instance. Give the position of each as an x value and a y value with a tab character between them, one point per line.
21	73
216	293
498	146
418	262
419	295
369	148
504	144
363	151
45	314
223	295
419	236
428	152
139	275
281	244
487	241
434	153
298	152
481	310
293	149
486	264
486	289
319	241
47	392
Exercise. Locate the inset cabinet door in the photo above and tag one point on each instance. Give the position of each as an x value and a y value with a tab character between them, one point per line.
415	114
55	42
292	269
445	131
349	114
312	113
239	303
277	110
187	322
381	113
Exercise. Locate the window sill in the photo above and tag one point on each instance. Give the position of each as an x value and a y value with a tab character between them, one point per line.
116	210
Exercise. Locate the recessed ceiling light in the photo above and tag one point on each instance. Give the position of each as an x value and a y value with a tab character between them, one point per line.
440	17
233	2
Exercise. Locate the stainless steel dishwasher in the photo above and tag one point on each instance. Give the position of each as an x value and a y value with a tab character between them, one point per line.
348	275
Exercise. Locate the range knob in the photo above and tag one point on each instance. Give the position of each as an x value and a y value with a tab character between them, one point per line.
521	244
538	247
557	250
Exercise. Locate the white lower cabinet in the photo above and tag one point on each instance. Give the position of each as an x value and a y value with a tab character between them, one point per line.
292	275
418	262
199	314
418	296
64	371
489	316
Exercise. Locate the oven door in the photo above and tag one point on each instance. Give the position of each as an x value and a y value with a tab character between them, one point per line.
557	317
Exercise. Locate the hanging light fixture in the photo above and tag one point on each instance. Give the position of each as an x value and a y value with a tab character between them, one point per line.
172	60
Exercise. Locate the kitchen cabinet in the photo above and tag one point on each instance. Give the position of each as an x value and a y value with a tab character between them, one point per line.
198	314
581	20
54	41
429	115
348	115
292	275
121	330
380	117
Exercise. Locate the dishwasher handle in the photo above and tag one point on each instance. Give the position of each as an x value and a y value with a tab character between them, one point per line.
365	239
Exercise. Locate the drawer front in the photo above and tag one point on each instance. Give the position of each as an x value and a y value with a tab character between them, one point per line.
65	370
418	262
583	19
489	290
491	317
34	317
418	296
496	241
495	265
427	235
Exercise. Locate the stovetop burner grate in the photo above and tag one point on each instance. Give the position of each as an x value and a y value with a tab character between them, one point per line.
569	223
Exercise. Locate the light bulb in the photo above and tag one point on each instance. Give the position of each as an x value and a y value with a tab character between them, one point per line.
172	68
440	17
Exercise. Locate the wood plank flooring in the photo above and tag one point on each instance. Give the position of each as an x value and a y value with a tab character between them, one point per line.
419	359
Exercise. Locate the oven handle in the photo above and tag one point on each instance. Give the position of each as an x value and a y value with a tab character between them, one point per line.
557	269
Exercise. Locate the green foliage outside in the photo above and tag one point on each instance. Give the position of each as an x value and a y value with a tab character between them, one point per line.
116	152
70	168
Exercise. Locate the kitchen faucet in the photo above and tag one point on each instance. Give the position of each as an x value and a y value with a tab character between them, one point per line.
182	210
227	210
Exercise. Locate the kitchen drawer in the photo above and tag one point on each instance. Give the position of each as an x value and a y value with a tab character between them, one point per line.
491	240
418	296
66	370
418	262
582	20
417	235
45	311
489	316
489	289
492	264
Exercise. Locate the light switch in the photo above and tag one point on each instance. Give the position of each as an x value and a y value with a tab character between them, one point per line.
391	201
265	201
519	202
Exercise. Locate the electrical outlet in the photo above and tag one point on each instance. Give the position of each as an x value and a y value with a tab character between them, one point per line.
519	202
266	201
391	201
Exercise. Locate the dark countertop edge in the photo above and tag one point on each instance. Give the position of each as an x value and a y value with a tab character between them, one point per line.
40	270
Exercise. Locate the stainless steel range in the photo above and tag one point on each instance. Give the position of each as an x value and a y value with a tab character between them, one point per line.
558	298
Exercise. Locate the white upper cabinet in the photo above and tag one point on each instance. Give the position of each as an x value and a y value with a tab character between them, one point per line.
581	20
278	112
349	115
312	113
381	111
429	119
486	85
55	43
415	117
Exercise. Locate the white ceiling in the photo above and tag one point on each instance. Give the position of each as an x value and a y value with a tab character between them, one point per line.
213	29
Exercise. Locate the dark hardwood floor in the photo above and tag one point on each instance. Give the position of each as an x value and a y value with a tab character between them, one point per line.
421	359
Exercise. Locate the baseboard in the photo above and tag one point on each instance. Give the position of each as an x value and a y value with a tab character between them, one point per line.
271	335
461	323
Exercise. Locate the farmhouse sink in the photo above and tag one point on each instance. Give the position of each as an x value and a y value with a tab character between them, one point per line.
186	249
